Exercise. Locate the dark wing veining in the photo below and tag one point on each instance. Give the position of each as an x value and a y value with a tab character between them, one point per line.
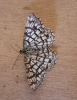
36	66
36	35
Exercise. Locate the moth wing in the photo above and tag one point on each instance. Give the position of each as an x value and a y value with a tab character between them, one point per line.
35	74
35	34
37	65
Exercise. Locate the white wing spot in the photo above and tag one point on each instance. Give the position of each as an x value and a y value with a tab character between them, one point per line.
39	70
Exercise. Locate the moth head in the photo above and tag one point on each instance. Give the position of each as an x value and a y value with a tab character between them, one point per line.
21	51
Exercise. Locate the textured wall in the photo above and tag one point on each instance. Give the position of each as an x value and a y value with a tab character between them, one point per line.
61	17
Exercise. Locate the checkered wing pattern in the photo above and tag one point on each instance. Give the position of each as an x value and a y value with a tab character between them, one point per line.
39	39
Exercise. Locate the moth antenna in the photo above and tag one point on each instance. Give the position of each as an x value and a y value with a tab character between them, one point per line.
15	61
16	58
18	46
14	49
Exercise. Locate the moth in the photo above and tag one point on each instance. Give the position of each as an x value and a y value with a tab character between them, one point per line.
38	55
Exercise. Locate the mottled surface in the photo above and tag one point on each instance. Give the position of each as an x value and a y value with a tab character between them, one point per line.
61	17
